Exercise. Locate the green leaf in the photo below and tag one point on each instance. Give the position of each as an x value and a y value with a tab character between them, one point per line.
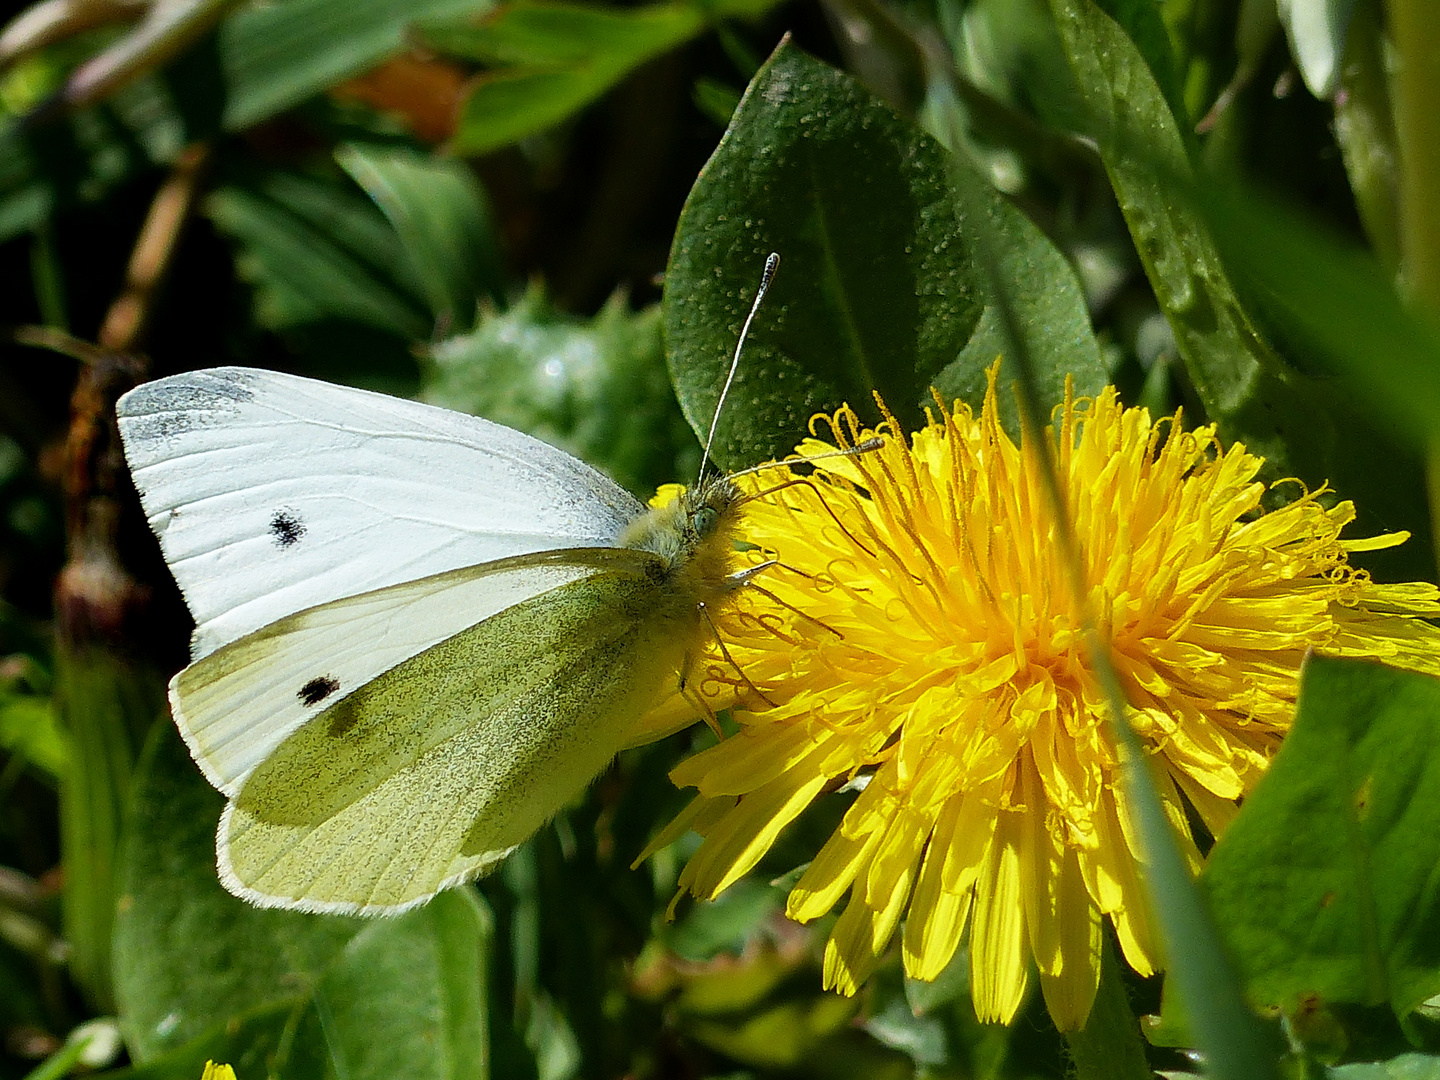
1303	427
716	99
441	214
273	56
188	955
952	983
1145	27
1140	144
726	924
1010	50
407	997
249	1042
1325	882
1337	300
1404	1067
550	60
876	289
1317	29
1337	307
879	288
314	250
1033	294
550	35
399	997
919	1037
1204	981
1109	1046
29	729
596	388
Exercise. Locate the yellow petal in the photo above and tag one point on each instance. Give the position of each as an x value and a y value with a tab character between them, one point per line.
999	964
1077	929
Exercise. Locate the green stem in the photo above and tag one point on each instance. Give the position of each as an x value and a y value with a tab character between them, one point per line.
1365	130
105	706
1109	1046
1415	31
1415	28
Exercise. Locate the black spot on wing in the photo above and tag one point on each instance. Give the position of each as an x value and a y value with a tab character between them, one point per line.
286	527
318	689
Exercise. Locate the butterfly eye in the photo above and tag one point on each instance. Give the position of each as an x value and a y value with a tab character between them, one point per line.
704	519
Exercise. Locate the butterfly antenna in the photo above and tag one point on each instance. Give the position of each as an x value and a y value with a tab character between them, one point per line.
770	266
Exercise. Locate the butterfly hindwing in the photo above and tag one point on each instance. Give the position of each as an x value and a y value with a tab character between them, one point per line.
436	769
237	704
272	493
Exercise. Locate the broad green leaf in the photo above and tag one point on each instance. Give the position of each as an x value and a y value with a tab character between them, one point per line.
1033	294
188	955
549	60
1404	1067
317	995
876	289
273	56
506	106
407	998
441	214
596	388
879	288
1316	30
249	1042
1324	884
530	33
1009	48
1012	50
314	250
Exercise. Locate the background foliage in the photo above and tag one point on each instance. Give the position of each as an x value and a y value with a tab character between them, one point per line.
500	207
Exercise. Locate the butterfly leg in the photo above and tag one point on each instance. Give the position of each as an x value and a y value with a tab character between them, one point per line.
705	611
711	720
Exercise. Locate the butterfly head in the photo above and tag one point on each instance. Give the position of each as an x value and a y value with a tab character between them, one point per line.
694	534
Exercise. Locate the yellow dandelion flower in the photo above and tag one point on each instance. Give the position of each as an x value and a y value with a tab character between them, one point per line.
919	636
217	1072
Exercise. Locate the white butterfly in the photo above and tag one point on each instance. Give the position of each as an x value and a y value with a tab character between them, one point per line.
418	634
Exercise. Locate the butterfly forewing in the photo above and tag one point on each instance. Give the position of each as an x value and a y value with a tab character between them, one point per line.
272	494
436	769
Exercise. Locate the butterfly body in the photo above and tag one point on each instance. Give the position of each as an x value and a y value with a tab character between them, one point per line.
418	634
